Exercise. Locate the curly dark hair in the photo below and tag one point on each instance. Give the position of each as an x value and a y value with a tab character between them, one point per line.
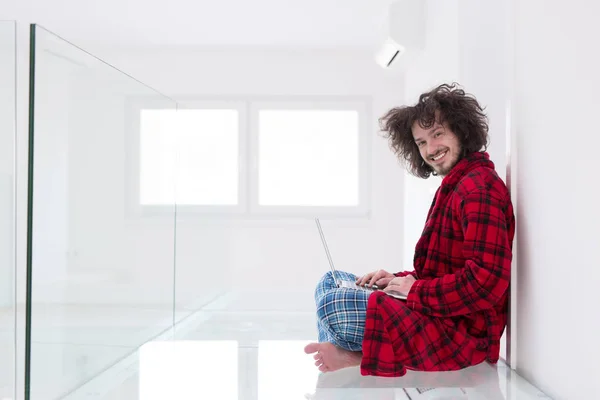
461	111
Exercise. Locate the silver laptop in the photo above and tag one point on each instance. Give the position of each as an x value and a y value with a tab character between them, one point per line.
338	280
348	283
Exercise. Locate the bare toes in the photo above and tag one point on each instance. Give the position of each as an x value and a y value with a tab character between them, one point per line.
312	348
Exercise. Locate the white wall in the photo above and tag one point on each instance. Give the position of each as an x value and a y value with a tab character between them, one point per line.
557	86
7	159
7	193
437	63
484	67
484	63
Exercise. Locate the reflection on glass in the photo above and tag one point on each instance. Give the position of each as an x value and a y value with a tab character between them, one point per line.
284	368
101	274
7	208
189	370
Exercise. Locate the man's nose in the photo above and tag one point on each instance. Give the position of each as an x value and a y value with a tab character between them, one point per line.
431	149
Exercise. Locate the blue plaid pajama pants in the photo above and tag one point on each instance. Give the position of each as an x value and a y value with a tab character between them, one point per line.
341	312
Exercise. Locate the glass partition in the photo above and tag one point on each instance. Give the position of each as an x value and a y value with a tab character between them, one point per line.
7	207
101	235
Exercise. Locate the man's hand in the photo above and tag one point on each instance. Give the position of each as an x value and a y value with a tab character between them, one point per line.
380	278
401	284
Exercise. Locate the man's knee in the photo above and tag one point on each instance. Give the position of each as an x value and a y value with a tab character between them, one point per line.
327	278
325	283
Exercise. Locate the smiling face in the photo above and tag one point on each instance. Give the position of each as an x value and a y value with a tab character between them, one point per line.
439	147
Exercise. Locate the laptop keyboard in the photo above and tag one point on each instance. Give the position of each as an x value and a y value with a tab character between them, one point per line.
353	285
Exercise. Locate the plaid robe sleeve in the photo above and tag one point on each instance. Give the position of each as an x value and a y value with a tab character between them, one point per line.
405	273
485	277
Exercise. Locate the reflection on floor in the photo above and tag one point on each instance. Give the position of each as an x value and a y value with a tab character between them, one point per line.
257	355
74	343
244	346
274	370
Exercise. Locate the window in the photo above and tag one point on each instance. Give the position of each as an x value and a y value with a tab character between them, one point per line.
157	157
308	158
255	157
189	157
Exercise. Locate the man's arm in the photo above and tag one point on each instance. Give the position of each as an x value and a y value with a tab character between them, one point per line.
486	275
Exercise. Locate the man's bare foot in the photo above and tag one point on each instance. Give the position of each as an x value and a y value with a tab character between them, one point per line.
329	357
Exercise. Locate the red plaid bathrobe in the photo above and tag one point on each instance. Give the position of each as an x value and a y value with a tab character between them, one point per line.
456	311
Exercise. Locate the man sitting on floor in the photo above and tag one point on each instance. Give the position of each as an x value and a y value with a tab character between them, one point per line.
457	304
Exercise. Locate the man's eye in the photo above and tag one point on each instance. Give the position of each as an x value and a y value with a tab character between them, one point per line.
438	134
420	144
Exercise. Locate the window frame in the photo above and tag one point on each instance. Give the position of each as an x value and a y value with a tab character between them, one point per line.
135	208
248	108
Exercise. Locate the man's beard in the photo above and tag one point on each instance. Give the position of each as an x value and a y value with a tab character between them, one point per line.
445	170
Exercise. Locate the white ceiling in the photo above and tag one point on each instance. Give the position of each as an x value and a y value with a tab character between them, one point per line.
147	23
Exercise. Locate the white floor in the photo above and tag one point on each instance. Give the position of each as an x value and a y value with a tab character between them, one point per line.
244	347
279	370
